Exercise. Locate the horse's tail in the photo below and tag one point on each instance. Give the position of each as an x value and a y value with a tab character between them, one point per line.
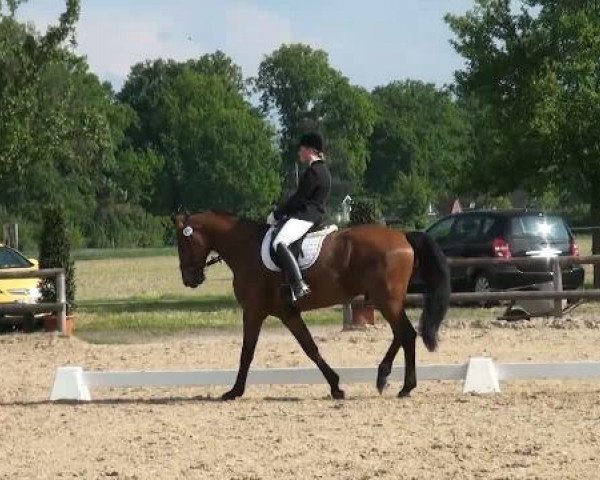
434	270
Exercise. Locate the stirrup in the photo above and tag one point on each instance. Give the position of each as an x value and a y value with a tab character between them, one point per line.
300	291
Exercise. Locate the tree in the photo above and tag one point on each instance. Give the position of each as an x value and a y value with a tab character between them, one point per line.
23	56
62	132
216	150
346	116
146	83
536	71
299	88
55	252
10	5
421	141
224	147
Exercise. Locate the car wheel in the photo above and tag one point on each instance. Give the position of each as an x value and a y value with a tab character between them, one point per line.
30	323
482	284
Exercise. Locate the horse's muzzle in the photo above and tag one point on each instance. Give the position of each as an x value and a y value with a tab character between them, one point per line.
195	281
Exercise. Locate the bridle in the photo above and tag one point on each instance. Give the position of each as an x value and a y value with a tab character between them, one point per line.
213	261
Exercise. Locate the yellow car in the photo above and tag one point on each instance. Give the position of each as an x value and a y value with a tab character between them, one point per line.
17	290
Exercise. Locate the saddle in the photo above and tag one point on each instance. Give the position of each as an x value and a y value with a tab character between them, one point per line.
306	249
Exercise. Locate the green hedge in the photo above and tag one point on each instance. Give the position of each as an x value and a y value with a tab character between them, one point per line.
126	226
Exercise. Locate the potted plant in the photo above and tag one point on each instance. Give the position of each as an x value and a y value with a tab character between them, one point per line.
364	211
55	252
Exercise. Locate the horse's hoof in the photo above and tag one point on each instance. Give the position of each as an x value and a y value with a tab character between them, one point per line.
404	393
382	384
338	394
230	395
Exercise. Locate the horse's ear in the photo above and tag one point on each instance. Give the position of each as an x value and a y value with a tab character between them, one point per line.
184	211
177	220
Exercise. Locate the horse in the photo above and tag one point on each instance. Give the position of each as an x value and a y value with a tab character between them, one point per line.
370	260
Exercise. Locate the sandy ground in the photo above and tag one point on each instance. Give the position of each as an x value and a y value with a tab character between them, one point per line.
542	430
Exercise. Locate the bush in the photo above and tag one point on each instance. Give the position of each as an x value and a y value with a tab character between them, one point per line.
365	211
408	201
128	226
55	252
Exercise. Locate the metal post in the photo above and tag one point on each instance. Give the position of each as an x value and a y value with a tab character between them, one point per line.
10	233
558	286
61	298
15	238
347	316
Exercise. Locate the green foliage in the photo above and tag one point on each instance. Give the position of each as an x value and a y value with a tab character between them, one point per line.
127	226
365	211
217	150
347	117
497	202
299	87
420	132
10	5
408	199
55	252
29	232
536	73
534	76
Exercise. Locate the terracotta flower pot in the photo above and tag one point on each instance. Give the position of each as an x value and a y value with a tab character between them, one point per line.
52	324
362	314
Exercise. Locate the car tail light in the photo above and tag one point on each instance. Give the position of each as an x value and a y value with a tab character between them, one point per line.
574	249
501	248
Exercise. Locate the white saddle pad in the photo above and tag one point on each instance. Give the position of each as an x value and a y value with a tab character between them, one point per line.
311	247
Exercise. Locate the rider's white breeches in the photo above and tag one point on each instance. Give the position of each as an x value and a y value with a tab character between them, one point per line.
292	230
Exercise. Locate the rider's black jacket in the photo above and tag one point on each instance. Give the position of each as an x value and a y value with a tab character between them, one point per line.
309	201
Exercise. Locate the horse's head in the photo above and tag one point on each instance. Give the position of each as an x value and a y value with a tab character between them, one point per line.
193	248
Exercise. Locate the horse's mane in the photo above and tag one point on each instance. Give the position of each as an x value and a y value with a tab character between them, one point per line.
228	213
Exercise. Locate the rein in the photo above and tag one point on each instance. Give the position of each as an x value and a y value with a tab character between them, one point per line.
213	261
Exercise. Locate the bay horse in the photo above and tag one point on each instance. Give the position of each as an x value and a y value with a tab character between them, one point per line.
369	260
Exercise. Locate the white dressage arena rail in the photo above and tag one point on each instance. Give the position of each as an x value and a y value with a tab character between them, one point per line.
479	375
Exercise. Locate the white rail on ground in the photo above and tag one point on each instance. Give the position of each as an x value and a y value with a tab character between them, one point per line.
480	375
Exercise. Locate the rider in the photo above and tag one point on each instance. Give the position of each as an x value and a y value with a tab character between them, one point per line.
303	209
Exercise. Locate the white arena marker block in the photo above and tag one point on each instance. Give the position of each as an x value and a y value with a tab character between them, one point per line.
70	384
482	376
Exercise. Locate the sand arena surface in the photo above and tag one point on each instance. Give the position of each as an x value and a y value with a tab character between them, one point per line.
532	430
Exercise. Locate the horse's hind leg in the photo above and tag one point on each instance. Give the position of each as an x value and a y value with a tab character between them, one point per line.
385	367
405	337
408	337
293	321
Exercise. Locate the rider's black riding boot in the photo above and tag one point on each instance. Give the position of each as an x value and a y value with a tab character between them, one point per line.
289	264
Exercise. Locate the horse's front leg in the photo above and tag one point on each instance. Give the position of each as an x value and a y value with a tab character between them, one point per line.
293	321
252	325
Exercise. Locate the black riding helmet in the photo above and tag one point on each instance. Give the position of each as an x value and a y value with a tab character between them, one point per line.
312	140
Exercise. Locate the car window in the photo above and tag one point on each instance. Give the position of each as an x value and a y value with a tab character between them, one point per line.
441	230
466	228
491	227
11	259
549	228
